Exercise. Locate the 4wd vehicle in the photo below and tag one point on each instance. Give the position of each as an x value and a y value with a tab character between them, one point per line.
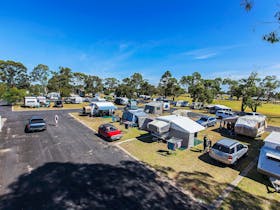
35	123
109	132
228	151
207	121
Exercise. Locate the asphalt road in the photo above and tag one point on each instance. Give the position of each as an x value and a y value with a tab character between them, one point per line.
69	167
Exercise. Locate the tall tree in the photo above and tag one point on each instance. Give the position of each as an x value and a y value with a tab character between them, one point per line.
40	74
93	84
269	85
14	74
110	84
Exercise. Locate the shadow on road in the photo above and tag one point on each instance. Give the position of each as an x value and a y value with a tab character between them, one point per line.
93	186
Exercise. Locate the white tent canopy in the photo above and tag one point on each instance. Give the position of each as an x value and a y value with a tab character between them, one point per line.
181	123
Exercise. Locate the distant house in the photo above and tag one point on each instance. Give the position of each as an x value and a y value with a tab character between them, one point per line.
175	126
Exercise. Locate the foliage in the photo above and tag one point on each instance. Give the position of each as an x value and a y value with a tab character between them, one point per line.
169	86
110	85
40	74
202	90
14	95
14	74
93	84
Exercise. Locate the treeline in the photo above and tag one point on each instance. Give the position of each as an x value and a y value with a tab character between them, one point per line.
15	82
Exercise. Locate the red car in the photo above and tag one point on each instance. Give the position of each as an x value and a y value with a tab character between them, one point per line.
109	132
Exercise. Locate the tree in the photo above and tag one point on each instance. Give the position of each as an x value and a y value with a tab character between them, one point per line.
234	88
272	36
269	85
13	95
61	81
40	74
93	84
110	84
14	74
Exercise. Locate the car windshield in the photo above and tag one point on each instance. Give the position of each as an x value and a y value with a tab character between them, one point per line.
111	129
203	119
37	121
221	148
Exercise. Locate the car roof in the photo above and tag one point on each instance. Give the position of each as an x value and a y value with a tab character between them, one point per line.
36	118
227	142
108	125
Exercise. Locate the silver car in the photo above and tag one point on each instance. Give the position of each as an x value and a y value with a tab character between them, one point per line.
228	151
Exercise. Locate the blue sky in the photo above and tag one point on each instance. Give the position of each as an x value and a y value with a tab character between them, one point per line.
117	38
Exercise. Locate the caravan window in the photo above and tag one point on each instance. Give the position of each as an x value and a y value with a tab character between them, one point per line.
158	108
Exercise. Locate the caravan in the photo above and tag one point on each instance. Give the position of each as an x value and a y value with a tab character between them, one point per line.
269	159
30	101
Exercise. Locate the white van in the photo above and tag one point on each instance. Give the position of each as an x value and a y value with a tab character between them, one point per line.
224	114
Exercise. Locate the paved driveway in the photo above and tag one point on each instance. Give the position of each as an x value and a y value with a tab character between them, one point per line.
69	167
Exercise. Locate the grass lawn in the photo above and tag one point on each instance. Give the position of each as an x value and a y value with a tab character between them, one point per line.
65	106
95	122
253	192
191	169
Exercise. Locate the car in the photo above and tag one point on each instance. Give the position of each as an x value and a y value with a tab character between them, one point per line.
58	104
221	114
35	123
109	132
207	121
228	151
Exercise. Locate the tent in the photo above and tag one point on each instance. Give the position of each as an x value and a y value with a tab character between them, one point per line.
154	108
135	116
179	127
252	126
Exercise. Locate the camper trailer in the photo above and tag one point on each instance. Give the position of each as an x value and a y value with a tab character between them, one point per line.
196	105
251	126
173	126
136	117
30	101
181	103
154	108
53	96
99	109
121	101
76	100
269	159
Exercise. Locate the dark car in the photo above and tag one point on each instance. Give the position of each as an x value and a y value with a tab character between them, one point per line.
207	121
58	104
35	123
109	132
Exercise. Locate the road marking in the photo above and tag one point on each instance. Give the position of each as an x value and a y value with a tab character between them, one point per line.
216	204
128	140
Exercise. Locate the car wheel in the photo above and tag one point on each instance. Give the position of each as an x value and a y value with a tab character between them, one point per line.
26	130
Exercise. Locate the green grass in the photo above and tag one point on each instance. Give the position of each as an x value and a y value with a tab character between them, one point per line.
253	192
95	122
191	169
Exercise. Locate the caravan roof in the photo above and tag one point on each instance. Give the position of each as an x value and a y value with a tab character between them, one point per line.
250	120
218	106
273	139
104	105
155	103
183	123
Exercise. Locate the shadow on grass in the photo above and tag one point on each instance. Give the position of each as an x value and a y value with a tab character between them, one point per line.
207	159
146	138
93	186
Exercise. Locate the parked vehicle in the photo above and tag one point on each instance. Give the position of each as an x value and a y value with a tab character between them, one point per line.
249	114
76	100
58	103
109	132
207	121
269	159
30	101
221	114
196	105
213	109
228	151
121	101
181	103
53	96
35	123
